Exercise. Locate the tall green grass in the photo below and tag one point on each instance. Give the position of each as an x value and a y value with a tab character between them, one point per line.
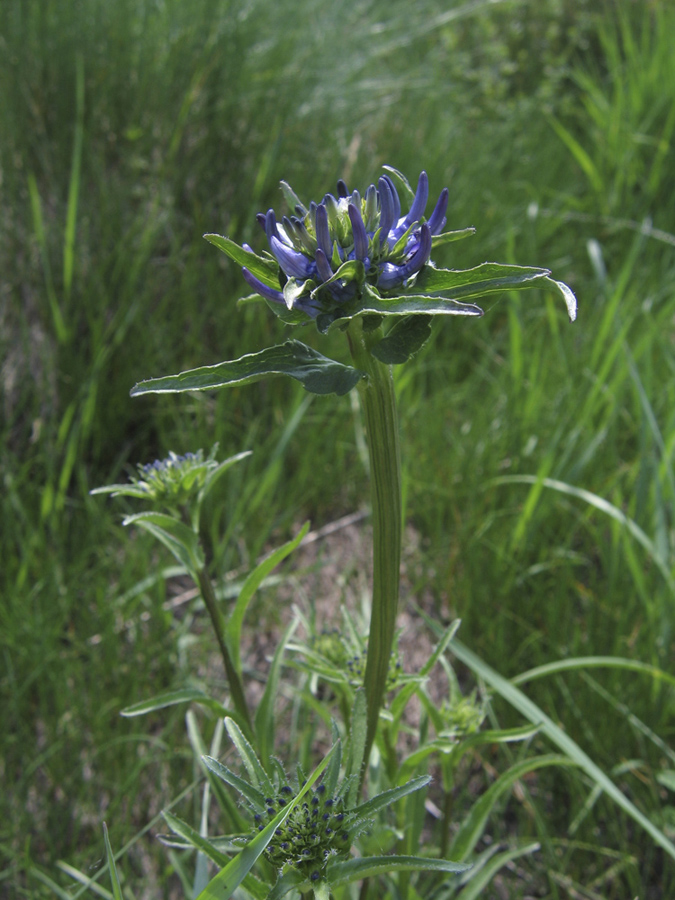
128	130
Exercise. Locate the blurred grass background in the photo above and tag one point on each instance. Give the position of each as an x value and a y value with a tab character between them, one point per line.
127	130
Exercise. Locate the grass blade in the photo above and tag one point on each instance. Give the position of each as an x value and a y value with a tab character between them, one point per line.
531	711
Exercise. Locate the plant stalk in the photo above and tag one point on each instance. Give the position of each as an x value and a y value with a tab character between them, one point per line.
378	400
236	687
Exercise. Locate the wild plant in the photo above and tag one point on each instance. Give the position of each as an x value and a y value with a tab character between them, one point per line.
356	807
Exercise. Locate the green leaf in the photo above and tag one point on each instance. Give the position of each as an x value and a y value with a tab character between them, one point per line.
483	279
266	270
488	278
121	490
254	796
437	240
172	698
417	303
256	772
114	877
295	289
351	270
357	869
251	585
405	338
228	879
386	798
403	181
174	534
315	372
195	839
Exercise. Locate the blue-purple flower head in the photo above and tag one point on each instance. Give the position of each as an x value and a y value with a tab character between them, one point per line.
328	251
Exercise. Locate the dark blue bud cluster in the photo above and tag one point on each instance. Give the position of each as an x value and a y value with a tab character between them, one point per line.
315	831
329	250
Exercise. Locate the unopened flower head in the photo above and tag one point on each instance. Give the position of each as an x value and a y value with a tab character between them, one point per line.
327	251
318	829
171	483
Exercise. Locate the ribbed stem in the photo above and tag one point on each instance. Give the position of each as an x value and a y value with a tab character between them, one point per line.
379	407
236	688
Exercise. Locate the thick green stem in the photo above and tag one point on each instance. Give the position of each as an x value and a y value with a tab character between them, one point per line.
379	407
236	688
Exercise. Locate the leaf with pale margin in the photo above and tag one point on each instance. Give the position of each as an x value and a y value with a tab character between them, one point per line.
254	796
174	534
367	867
266	270
413	304
315	372
247	754
195	839
228	879
386	798
437	240
405	338
171	698
114	877
489	278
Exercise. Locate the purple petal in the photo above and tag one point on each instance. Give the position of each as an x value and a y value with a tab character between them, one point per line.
267	292
342	190
386	209
391	275
359	231
419	204
437	219
294	264
323	267
394	194
322	230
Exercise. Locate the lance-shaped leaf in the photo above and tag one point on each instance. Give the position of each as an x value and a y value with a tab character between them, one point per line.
437	240
367	867
171	698
114	877
489	278
174	534
267	270
317	373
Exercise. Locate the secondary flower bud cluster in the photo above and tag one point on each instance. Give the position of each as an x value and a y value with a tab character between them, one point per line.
349	658
328	251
